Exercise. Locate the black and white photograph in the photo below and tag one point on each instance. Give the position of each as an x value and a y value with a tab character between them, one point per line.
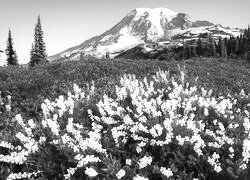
124	90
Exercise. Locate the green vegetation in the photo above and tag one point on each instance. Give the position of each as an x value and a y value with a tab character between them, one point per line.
29	87
26	127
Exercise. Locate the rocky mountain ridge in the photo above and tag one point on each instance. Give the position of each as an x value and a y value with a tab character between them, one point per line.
142	26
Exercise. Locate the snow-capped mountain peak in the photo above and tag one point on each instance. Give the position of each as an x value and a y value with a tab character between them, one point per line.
155	13
141	26
154	20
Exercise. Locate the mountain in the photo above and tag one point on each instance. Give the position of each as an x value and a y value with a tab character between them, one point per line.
142	26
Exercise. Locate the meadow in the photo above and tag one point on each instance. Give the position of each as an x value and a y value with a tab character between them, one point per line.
126	119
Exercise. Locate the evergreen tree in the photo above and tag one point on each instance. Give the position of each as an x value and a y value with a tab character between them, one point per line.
216	47
182	53
220	44
38	51
243	47
187	51
248	44
10	53
193	51
0	53
237	46
199	48
245	34
81	58
229	48
248	32
224	48
233	47
211	47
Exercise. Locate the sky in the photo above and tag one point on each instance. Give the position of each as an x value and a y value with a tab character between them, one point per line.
68	23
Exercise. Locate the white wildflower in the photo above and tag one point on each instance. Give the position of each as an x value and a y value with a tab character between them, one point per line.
120	174
166	172
128	161
145	161
91	172
138	177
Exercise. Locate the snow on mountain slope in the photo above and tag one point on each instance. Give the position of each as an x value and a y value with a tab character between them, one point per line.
141	26
215	30
157	18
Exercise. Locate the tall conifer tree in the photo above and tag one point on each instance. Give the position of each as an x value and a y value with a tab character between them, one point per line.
237	46
38	51
188	51
223	48
248	44
10	53
211	47
220	44
193	51
199	48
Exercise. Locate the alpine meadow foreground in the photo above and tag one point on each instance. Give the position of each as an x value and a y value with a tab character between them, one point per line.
126	119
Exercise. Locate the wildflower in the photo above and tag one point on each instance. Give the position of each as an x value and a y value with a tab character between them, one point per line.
206	112
143	162
246	150
91	172
128	161
71	171
77	90
120	174
231	150
217	168
166	172
31	124
19	119
180	140
127	120
138	177
243	166
6	145
89	159
42	139
24	175
214	161
156	130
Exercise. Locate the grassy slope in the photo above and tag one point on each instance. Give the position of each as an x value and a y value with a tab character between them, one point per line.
29	88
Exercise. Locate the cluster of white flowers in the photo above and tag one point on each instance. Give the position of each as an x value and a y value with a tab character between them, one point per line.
19	154
166	172
71	136
128	162
164	114
138	177
246	144
24	175
7	105
144	162
91	172
120	174
7	145
162	110
214	161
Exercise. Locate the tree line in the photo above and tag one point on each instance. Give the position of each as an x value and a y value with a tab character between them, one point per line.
38	50
231	48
